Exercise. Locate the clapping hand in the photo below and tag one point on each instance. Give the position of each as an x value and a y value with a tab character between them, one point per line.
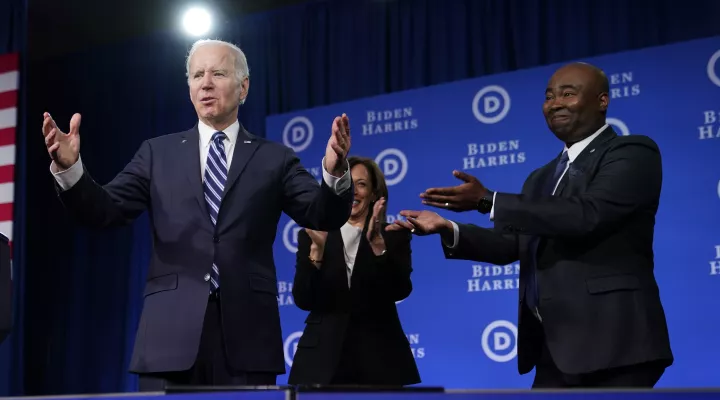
317	248
374	232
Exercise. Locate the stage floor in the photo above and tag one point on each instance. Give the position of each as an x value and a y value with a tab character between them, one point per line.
280	393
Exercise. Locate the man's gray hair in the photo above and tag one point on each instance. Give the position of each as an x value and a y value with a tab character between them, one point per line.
242	70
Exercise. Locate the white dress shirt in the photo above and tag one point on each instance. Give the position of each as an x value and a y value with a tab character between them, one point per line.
68	178
351	241
573	151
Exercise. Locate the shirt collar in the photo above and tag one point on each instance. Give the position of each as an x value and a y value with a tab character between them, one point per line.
578	147
206	132
349	228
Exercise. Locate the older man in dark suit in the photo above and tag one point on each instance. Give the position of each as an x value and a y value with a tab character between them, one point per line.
590	313
215	194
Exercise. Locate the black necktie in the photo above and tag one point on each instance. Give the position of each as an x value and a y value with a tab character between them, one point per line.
531	291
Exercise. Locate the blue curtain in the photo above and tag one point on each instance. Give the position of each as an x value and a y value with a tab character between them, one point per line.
13	40
83	290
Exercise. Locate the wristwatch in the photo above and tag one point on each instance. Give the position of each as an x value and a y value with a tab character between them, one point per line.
486	202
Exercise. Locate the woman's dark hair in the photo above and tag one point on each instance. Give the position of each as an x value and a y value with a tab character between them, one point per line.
377	182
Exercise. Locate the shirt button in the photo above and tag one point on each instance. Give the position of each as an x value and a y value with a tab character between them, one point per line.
206	277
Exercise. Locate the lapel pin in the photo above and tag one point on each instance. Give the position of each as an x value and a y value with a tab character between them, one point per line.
247	141
592	151
184	140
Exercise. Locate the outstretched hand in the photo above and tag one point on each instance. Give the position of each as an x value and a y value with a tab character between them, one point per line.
464	197
338	146
421	223
63	148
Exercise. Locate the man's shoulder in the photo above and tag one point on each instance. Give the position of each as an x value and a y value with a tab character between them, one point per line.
169	138
268	145
622	141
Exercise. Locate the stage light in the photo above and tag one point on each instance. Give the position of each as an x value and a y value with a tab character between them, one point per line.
197	21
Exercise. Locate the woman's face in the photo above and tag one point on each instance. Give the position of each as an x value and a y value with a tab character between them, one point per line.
363	192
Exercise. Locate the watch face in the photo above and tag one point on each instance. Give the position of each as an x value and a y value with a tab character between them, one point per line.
485	205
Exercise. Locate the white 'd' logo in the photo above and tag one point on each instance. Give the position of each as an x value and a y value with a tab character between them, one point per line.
298	134
712	75
290	347
290	234
491	104
501	341
393	164
618	125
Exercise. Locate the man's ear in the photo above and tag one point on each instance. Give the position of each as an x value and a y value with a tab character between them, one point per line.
244	86
604	101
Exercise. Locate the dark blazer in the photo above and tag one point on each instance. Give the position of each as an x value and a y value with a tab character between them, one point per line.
364	315
164	178
599	300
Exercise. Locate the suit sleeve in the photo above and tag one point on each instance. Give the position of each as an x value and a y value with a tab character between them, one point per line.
628	180
389	274
312	205
483	245
307	284
115	204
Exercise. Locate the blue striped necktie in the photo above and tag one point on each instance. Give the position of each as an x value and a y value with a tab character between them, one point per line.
215	177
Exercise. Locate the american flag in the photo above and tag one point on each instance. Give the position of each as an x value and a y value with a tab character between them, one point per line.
9	78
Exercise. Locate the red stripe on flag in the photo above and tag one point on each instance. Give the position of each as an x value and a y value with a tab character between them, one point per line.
8	99
7	174
8	62
7	136
6	212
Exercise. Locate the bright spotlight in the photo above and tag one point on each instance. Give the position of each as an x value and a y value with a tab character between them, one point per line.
197	21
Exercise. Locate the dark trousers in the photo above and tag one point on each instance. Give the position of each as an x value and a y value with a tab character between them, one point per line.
548	376
211	366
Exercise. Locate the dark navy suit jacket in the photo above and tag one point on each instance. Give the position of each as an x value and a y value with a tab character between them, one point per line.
164	178
599	301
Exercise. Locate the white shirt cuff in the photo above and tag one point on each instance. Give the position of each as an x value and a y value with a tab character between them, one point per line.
338	185
456	236
68	178
492	210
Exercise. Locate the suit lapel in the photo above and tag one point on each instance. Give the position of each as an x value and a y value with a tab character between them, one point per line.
589	152
540	183
245	147
335	253
586	157
190	162
361	258
564	180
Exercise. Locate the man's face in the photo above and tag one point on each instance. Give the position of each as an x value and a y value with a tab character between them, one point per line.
214	89
573	103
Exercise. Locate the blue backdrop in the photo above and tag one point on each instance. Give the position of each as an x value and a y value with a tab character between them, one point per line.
460	318
82	295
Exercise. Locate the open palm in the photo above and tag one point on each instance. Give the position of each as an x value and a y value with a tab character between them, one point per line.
420	222
63	148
